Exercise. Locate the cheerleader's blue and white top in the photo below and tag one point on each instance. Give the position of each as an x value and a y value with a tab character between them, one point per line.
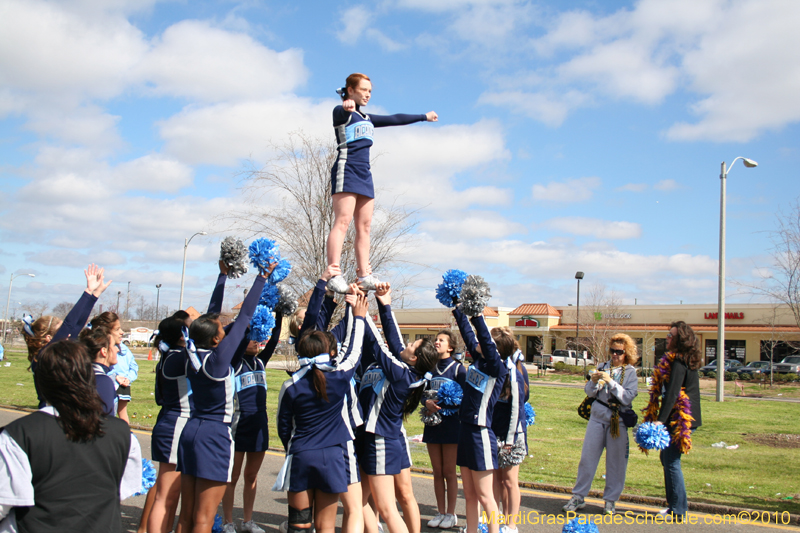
173	392
209	371
126	366
70	328
251	377
308	422
509	413
106	388
386	383
354	131
486	375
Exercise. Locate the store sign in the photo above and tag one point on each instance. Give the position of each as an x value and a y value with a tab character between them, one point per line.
527	322
728	316
612	316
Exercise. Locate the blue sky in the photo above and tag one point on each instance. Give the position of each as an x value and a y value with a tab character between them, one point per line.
577	135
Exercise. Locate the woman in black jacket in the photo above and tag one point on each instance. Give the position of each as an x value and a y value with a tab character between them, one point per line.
675	402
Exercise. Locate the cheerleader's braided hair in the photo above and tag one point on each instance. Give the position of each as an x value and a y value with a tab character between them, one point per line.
427	359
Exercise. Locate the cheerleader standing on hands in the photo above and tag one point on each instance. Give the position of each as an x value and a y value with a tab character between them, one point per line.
442	439
351	178
477	445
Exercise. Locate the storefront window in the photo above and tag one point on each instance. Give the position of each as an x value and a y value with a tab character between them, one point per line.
734	349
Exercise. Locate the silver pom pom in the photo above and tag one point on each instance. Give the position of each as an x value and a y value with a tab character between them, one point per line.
475	294
287	303
428	418
234	254
510	456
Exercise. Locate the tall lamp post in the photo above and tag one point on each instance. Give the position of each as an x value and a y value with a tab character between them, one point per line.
579	277
723	178
8	302
158	295
183	272
119	293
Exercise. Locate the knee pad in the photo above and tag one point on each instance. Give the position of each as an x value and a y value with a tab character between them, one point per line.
300	516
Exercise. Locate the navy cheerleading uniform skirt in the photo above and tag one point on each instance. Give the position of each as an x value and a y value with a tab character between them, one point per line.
356	178
445	433
477	448
381	456
327	469
166	436
206	450
250	431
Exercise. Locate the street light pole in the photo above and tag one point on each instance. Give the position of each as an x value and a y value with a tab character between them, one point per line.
579	277
128	301
119	293
723	178
183	272
8	302
158	296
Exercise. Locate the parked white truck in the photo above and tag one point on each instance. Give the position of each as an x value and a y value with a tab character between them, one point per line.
569	357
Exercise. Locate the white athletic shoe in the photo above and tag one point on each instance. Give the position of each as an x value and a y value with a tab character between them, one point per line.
369	283
574	503
449	521
228	528
436	520
252	527
506	529
338	285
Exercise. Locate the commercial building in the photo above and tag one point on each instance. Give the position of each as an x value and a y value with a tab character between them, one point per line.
753	332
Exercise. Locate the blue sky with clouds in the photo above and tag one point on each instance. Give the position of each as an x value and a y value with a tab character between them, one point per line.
576	135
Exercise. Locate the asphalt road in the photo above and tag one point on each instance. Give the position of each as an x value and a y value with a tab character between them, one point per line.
540	510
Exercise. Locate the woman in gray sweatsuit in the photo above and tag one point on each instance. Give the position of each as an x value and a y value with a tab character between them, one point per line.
614	381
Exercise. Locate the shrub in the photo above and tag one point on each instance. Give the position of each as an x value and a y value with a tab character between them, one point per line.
730	376
745	377
560	366
712	375
644	372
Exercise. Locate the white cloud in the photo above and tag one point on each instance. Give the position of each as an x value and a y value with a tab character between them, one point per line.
196	60
666	185
574	190
550	109
473	225
354	21
601	229
633	187
72	258
153	173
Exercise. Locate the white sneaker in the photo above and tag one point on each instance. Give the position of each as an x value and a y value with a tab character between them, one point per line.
368	283
338	285
284	527
252	527
449	521
228	528
436	520
506	529
380	527
574	503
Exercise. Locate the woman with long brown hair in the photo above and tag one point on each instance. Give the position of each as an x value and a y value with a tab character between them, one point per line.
675	402
67	466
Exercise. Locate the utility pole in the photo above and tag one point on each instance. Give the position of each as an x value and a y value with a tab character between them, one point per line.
128	302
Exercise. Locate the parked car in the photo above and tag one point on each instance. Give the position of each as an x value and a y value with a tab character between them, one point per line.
569	357
755	368
788	365
731	365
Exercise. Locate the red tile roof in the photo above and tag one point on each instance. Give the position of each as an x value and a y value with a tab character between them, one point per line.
193	313
696	327
535	310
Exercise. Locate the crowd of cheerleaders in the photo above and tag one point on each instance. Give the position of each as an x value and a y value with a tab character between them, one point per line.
340	416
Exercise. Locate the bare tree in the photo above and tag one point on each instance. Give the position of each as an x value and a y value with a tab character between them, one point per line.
298	177
36	308
600	318
61	310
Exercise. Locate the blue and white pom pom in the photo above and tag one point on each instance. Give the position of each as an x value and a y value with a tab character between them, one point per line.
450	394
149	475
233	253
580	524
262	323
449	289
287	302
264	252
475	294
651	436
270	295
281	271
530	415
217	527
483	528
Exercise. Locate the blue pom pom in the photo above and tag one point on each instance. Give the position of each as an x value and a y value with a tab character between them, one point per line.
483	528
263	252
448	412
580	524
651	436
269	296
530	415
280	272
262	323
149	475
450	393
450	288
217	527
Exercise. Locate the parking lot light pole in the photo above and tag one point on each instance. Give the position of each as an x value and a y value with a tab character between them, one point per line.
158	295
8	302
723	178
579	277
183	272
